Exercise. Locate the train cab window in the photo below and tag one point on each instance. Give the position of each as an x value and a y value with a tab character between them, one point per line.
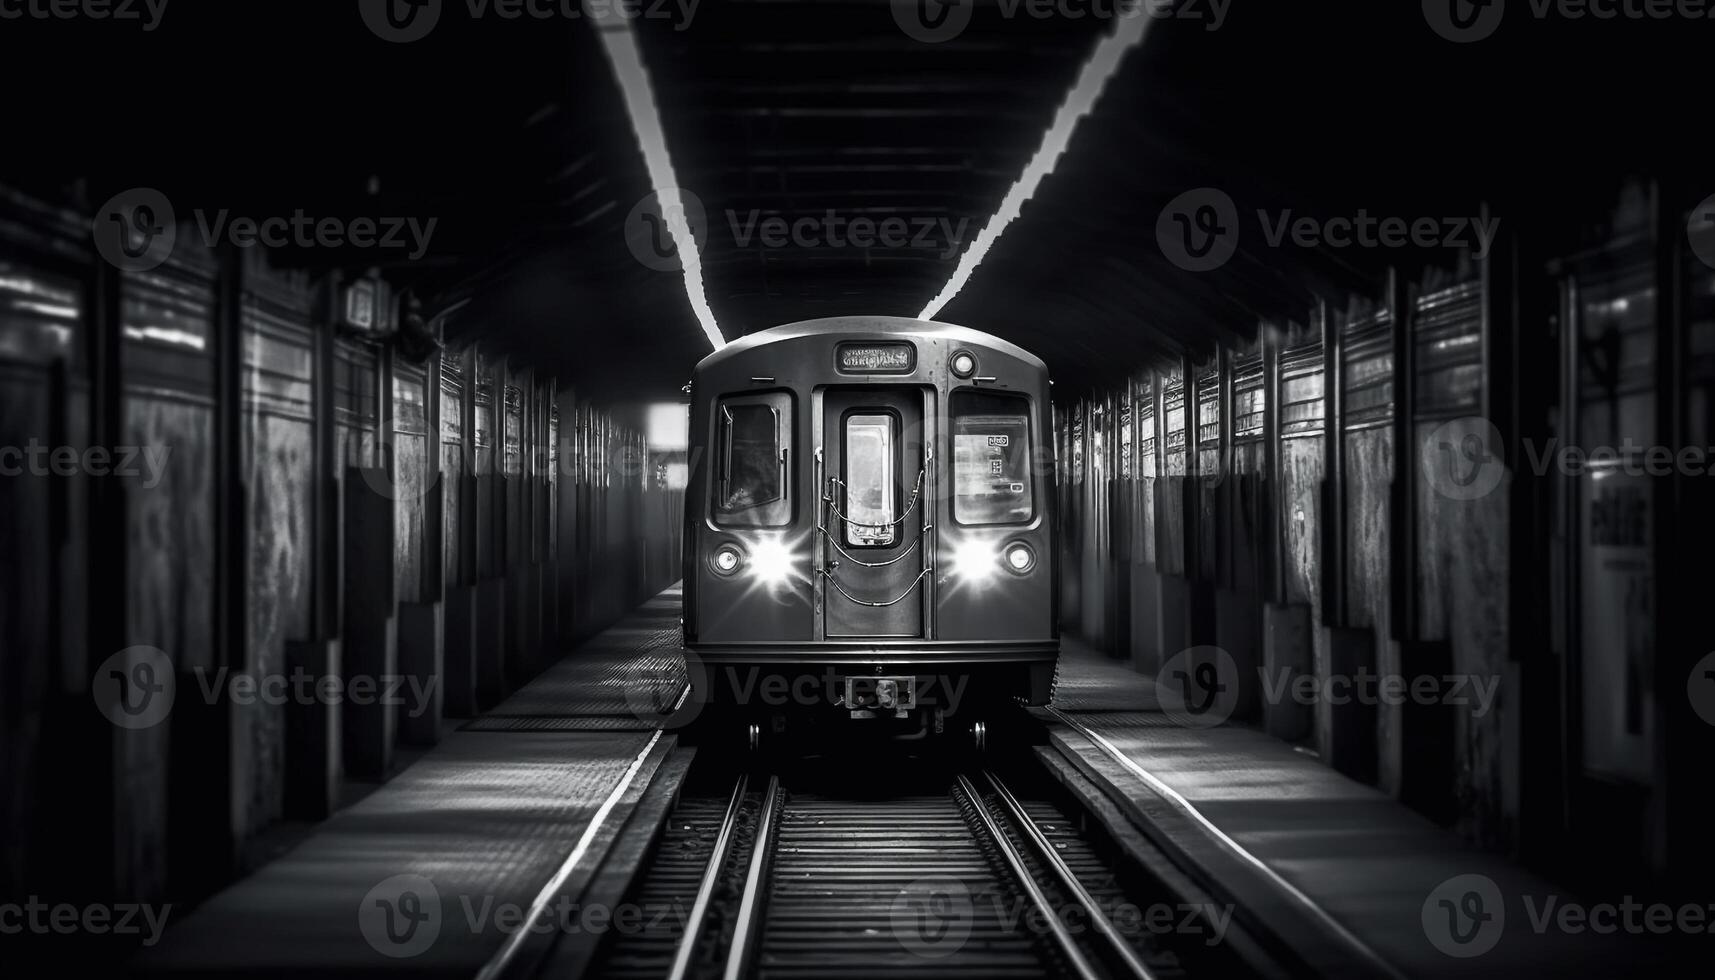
991	459
870	481
752	439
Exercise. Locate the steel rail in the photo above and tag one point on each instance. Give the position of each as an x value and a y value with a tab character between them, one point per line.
687	949
1008	850
1068	880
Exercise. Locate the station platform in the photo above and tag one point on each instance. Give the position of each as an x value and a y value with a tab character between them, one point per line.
495	819
525	805
1355	881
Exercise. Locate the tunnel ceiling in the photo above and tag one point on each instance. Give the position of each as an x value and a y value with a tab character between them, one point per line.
513	136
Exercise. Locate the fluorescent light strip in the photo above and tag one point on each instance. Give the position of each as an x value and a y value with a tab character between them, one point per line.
617	39
1129	32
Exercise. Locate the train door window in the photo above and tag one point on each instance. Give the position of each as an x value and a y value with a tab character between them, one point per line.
991	459
753	440
870	483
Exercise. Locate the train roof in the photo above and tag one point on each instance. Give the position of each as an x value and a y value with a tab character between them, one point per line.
897	326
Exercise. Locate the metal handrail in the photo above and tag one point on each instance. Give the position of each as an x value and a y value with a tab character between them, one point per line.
875	564
916	492
829	575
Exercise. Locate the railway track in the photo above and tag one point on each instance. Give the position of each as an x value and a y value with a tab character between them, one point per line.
952	873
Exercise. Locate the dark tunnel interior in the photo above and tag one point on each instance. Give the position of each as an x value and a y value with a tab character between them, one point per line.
374	379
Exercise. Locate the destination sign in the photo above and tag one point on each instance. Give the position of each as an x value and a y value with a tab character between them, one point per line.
877	358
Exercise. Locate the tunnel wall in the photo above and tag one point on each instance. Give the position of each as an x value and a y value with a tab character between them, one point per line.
287	492
1337	521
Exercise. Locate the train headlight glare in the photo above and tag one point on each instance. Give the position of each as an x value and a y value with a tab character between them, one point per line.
974	560
726	559
1019	558
771	562
964	364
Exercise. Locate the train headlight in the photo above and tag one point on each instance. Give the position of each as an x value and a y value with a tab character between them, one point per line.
1019	557
964	363
771	562
974	560
727	560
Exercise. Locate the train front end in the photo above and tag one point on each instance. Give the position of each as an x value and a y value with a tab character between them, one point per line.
869	532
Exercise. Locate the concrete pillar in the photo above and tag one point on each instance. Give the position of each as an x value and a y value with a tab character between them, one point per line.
1238	630
422	631
314	765
459	653
1286	656
1351	745
371	628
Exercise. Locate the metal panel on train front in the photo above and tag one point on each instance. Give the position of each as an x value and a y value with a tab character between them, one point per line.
873	459
744	606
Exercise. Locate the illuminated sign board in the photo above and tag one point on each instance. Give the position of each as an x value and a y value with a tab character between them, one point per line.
877	358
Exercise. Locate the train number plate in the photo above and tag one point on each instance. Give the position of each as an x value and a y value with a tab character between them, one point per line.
881	693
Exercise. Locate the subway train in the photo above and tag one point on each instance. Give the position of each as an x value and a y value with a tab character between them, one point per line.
869	527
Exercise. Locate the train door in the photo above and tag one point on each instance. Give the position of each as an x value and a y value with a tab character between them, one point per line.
873	470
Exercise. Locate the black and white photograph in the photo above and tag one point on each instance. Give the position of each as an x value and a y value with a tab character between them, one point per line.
840	489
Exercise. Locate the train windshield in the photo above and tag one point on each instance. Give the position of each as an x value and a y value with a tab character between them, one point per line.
991	459
869	481
751	488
